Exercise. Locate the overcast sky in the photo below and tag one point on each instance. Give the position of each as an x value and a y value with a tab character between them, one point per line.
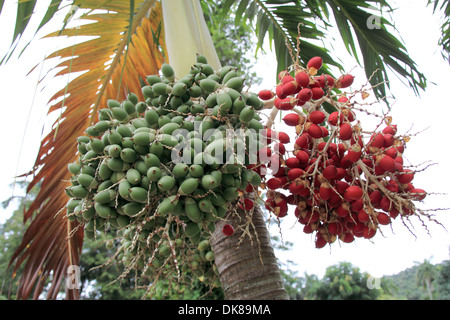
24	107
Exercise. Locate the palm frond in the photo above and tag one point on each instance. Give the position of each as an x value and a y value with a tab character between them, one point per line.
111	66
379	48
444	41
366	35
280	23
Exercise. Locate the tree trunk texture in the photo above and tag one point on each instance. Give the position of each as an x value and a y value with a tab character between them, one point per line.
247	266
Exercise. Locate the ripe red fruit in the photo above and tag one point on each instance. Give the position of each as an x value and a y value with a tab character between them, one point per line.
325	191
228	230
375	198
294	173
248	204
281	208
315	131
286	77
279	147
279	91
377	140
343	99
418	194
302	78
317	117
317	93
320	242
388	140
406	176
304	95
368	232
344	81
342	211
383	218
291	119
266	94
354	153
363	216
292	162
346	237
315	62
330	172
391	129
299	188
345	131
289	88
286	103
283	137
302	156
325	81
303	140
335	118
353	193
274	183
387	163
335	228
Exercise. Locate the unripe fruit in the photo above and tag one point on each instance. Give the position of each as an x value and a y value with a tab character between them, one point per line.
188	186
167	71
166	183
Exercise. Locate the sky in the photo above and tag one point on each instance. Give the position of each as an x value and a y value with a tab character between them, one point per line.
25	120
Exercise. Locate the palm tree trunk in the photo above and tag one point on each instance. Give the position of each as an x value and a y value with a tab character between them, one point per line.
427	282
248	269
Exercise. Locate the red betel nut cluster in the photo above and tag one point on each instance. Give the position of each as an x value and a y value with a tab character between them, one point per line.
341	182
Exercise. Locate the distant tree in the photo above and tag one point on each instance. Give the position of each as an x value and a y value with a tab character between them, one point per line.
425	275
442	281
345	282
11	234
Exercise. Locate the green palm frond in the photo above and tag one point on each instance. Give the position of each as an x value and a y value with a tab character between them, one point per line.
280	23
365	34
444	41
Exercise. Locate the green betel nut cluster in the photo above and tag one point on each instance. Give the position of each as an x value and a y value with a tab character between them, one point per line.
159	173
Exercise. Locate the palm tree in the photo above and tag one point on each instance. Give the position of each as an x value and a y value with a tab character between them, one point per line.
130	39
425	275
